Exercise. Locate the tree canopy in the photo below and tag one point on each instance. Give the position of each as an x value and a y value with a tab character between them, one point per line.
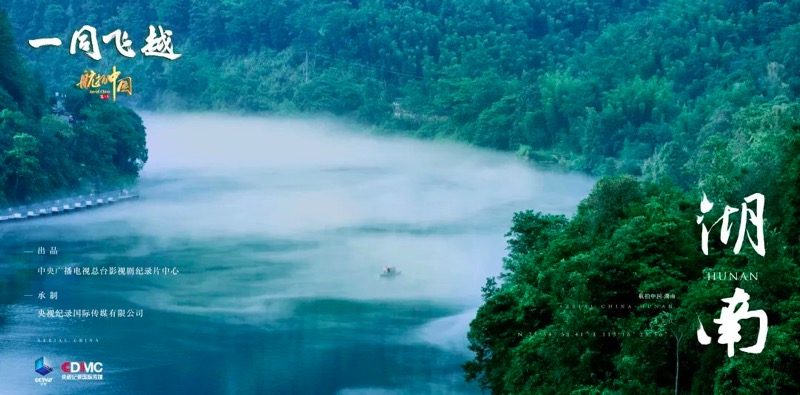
670	98
603	86
93	144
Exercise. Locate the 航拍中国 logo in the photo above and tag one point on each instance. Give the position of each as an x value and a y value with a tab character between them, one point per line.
42	366
94	82
80	371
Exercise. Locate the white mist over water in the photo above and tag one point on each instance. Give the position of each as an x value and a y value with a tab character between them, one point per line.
436	211
285	225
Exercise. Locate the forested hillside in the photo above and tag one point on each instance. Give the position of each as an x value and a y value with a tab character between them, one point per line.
566	316
602	86
685	96
43	154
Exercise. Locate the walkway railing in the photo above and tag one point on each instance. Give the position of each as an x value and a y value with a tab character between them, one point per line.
63	206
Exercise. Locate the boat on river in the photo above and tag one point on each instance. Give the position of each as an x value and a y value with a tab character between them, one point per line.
389	272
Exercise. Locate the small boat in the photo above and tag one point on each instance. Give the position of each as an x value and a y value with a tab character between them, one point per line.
389	271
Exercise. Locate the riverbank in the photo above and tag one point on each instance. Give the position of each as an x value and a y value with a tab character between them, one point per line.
65	206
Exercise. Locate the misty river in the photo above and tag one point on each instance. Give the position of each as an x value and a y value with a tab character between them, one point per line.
279	229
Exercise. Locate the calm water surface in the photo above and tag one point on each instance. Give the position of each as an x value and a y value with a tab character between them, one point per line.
279	230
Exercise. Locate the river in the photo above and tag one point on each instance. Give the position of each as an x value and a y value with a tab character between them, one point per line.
278	229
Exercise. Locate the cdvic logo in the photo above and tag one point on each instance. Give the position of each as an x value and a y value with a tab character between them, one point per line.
82	367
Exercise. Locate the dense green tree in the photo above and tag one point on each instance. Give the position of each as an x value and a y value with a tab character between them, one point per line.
598	86
22	167
43	154
691	97
544	329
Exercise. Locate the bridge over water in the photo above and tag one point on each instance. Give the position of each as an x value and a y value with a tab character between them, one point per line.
66	205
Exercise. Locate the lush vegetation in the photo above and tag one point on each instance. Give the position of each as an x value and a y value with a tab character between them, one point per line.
683	96
87	144
544	327
601	86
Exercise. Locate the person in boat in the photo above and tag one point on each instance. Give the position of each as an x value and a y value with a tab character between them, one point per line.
388	270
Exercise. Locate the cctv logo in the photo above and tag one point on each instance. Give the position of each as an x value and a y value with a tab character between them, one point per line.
43	368
82	367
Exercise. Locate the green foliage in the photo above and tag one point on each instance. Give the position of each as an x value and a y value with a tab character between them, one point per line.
612	82
545	329
43	154
690	97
